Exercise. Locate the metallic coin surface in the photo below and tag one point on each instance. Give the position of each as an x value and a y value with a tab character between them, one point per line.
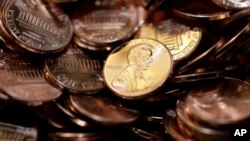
104	21
181	40
83	44
200	10
77	72
233	4
25	81
172	128
100	110
138	68
11	132
198	131
34	28
219	102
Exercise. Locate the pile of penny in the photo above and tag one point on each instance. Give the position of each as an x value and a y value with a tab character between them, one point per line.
109	70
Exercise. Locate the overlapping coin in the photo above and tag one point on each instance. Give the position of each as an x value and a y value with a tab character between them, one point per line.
35	26
137	68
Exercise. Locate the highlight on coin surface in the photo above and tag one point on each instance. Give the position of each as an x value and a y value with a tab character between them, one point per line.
137	68
36	26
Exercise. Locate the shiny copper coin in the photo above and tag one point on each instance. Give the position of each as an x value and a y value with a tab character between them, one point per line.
196	130
137	68
179	39
102	22
219	102
35	28
233	4
77	72
24	81
102	111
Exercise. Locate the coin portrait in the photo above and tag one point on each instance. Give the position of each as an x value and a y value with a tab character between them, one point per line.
137	69
132	77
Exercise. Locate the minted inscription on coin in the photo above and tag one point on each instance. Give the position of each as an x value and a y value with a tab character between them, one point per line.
75	72
34	29
180	39
106	22
23	80
27	84
138	68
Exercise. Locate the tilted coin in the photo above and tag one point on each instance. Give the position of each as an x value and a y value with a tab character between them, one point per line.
196	130
219	102
197	10
66	108
137	68
102	111
77	72
54	116
11	132
181	40
196	77
233	4
35	28
24	81
172	128
83	44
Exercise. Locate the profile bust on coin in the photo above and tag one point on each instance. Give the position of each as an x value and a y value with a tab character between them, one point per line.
138	68
132	78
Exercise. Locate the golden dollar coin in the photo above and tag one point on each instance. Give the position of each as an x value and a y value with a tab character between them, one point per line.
137	68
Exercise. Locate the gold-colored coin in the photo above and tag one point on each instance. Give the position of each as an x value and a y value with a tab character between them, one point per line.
181	40
137	68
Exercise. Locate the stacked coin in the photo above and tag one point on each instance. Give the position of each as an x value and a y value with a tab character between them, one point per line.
110	69
211	109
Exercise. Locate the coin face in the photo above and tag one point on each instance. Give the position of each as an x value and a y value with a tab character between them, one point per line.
220	102
100	110
103	22
138	68
32	28
233	4
25	81
78	73
180	39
